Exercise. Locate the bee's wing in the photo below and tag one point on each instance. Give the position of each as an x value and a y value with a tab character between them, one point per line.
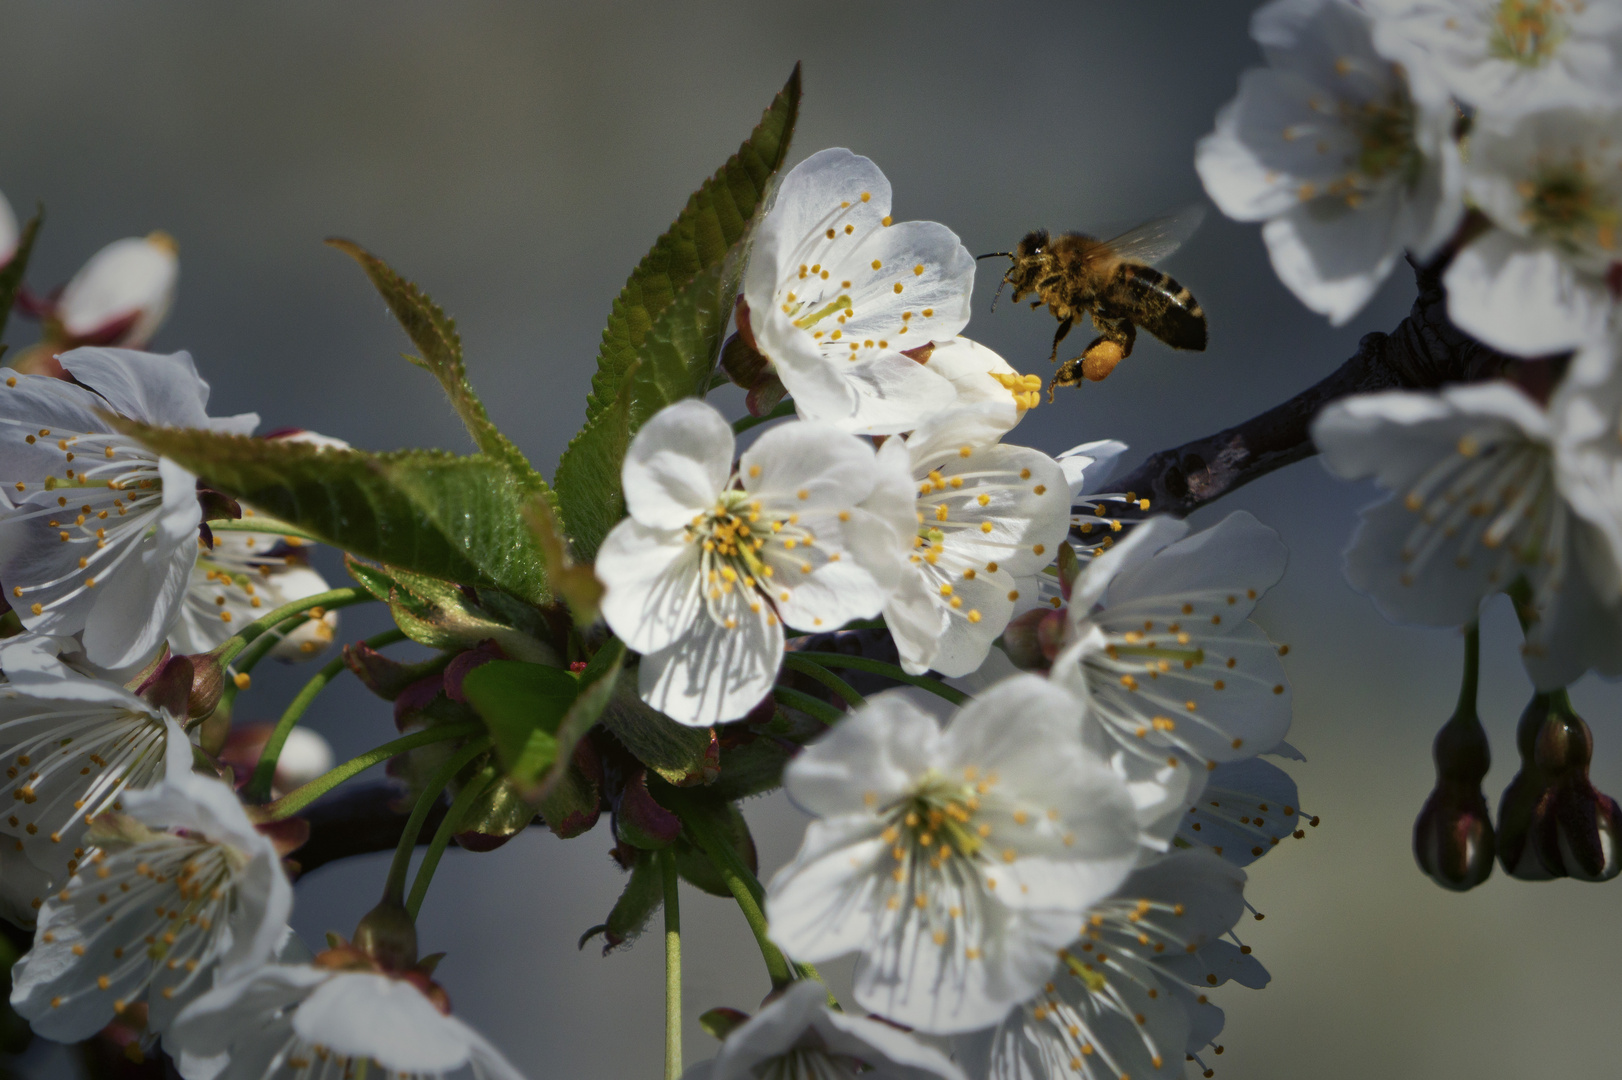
1155	240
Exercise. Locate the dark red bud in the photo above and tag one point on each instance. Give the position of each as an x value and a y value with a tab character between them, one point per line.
169	687
464	662
1022	642
639	820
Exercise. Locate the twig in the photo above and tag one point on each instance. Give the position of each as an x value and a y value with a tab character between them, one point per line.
1425	351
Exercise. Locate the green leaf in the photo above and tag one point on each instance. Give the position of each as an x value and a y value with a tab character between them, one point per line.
644	894
673	363
596	690
681	755
441	614
433	513
434	334
522	705
11	277
577	584
499	813
665	330
715	218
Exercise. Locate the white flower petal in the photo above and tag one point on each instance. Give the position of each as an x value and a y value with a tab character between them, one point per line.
386	1019
1522	297
715	672
677	464
651	584
866	760
149	387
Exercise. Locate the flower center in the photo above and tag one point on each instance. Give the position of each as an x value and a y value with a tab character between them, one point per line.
936	822
1563	204
1526	32
738	542
108	490
1385	134
1496	499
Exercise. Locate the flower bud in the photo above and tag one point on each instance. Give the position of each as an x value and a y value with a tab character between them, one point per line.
388	936
639	820
169	687
1552	820
122	295
1033	639
207	685
1453	835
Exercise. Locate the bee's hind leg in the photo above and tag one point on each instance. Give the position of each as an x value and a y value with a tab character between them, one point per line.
1113	344
1069	374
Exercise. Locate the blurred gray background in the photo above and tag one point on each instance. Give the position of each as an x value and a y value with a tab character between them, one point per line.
516	160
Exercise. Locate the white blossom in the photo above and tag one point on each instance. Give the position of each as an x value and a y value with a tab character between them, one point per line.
123	294
1478	503
310	1022
1507	57
1161	647
181	890
1552	184
1115	1008
97	533
836	291
712	562
987	516
246	575
72	744
1347	158
9	233
797	1037
954	862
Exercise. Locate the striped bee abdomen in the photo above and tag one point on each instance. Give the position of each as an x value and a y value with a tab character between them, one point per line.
1156	302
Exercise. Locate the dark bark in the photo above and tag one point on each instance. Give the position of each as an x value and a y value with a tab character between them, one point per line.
1425	351
357	821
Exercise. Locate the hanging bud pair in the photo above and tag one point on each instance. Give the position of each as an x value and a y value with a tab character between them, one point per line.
1552	821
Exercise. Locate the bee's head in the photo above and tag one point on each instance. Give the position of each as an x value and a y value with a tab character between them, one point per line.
1034	244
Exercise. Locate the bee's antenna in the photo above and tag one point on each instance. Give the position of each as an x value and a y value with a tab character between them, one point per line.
996	255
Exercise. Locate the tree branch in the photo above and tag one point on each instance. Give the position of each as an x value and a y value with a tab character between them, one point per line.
1424	352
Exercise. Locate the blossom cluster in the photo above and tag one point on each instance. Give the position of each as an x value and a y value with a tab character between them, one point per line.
1045	882
1484	135
1049	877
158	903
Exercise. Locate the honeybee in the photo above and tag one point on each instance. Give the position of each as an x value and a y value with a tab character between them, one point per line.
1112	281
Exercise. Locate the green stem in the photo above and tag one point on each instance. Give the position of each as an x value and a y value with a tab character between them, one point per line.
889	671
813	706
262	525
741	883
265	771
1472	671
299	798
784	408
442	837
331	600
827	678
667	869
431	791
